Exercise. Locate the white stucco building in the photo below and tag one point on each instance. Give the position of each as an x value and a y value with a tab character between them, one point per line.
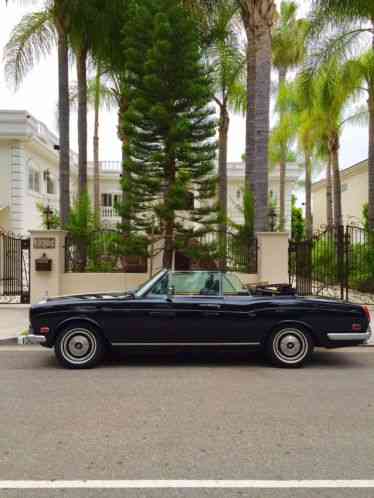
29	176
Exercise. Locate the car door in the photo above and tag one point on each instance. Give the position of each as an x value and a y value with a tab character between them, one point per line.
197	301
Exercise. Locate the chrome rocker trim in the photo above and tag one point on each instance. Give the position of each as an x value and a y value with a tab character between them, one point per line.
185	344
350	336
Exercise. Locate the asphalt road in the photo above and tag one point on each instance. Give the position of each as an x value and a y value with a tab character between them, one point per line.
195	416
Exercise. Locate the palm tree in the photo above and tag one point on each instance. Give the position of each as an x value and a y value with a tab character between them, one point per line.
258	18
99	94
288	45
34	37
228	63
348	21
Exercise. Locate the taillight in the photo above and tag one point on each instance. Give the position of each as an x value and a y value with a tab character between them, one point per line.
367	313
44	330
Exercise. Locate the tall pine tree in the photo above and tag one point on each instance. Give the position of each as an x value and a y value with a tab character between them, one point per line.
171	150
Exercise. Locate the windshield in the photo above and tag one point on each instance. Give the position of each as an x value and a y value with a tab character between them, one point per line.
192	283
143	289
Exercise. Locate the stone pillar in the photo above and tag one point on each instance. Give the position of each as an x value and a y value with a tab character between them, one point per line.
273	257
52	244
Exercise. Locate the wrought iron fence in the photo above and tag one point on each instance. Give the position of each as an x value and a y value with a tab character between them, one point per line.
338	262
14	269
101	251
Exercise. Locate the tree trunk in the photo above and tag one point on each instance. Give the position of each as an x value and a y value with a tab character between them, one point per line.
123	106
169	223
64	127
82	120
258	119
308	197
96	151
329	198
224	123
250	142
371	159
337	188
282	167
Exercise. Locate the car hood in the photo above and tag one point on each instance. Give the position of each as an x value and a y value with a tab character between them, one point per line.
80	298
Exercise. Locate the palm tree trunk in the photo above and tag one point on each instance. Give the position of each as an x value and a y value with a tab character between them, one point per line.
308	197
371	159
329	197
96	150
250	142
282	166
64	126
224	123
82	120
337	188
258	19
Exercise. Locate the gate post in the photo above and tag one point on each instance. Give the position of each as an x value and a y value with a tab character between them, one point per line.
50	243
273	257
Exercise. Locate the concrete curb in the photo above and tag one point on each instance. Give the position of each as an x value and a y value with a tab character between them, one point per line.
8	340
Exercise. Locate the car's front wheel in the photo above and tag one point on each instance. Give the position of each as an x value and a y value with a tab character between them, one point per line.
289	347
79	346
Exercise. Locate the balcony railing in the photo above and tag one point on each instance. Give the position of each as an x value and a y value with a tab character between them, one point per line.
109	212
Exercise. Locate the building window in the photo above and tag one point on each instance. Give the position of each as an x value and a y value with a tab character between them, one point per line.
106	200
34	179
50	185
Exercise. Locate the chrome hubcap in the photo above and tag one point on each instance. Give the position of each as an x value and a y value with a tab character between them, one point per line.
290	346
78	346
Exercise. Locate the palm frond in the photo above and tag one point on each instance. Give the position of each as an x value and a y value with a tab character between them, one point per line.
33	38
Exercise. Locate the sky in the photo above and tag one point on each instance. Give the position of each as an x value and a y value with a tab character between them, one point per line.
38	95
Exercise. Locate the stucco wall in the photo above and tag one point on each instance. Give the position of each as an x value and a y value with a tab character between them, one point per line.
78	283
5	173
354	196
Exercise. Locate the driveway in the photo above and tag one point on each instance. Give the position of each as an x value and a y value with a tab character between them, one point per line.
195	416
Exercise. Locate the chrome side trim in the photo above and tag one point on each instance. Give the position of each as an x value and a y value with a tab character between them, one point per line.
34	339
185	343
350	336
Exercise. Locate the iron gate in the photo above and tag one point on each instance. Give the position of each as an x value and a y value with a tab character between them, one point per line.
336	263
14	269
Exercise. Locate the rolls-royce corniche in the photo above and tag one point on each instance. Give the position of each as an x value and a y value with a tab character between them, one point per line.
194	309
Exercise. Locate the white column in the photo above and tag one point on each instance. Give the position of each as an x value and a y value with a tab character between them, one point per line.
17	188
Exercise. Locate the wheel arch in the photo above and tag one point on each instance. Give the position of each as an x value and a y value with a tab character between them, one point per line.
79	320
293	323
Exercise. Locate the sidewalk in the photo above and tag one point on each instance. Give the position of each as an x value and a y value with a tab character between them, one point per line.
14	319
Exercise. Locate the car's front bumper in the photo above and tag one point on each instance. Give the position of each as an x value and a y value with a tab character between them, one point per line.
350	336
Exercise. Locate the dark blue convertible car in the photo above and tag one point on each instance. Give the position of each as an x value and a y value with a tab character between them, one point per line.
195	309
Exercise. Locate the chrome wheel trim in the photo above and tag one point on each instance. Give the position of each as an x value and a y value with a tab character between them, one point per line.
78	346
290	346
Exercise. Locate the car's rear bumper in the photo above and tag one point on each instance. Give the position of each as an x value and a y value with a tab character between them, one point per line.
350	336
34	339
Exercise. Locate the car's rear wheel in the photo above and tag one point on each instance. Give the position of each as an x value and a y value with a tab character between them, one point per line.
79	346
289	347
